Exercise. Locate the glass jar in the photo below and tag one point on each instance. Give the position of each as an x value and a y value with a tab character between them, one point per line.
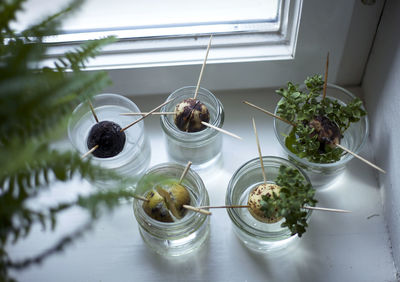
202	148
257	235
134	159
181	236
353	139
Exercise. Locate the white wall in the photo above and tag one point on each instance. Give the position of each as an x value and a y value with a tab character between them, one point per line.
381	85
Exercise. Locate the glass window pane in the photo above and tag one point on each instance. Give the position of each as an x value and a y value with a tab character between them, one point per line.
105	15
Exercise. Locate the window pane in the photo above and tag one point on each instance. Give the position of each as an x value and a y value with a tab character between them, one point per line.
154	15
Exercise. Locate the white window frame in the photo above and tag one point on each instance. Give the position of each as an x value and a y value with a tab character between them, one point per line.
244	42
135	69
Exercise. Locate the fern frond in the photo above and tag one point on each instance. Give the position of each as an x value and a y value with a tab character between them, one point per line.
41	102
33	164
77	59
8	11
35	104
51	24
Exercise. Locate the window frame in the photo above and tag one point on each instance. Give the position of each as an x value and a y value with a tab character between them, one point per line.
318	31
265	42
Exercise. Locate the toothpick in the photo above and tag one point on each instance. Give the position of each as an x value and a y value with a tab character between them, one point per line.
185	172
199	210
143	114
259	152
326	77
338	145
269	113
221	130
140	198
325	209
202	68
93	112
97	120
248	206
146	115
89	152
224	207
361	158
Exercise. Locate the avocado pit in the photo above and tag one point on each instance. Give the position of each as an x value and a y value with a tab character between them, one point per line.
327	131
166	205
189	114
255	199
109	138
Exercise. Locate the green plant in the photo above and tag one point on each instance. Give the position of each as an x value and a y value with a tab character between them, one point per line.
295	193
35	103
303	106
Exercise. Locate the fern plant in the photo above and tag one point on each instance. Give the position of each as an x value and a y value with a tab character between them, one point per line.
35	103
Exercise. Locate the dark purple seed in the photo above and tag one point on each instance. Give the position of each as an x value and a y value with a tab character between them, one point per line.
108	136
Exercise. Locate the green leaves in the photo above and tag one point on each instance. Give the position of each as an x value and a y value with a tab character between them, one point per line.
301	106
77	59
295	193
35	104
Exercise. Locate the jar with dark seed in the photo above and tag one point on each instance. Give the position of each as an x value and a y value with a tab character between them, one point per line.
186	138
127	152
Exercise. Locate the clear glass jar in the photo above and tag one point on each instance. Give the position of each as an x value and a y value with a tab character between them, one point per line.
353	139
134	159
257	235
184	235
202	148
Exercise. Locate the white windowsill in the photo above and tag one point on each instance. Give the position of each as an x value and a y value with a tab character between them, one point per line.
336	247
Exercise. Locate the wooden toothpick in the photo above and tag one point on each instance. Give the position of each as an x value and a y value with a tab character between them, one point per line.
269	113
97	120
360	158
140	198
326	77
259	152
225	207
185	172
93	112
202	68
221	130
89	152
337	145
146	115
143	114
326	209
188	207
199	210
248	206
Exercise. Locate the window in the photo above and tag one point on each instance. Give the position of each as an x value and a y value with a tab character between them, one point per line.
175	32
286	44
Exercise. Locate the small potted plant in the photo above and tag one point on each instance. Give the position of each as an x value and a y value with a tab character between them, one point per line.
317	127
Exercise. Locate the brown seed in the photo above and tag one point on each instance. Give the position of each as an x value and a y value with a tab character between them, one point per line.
189	114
